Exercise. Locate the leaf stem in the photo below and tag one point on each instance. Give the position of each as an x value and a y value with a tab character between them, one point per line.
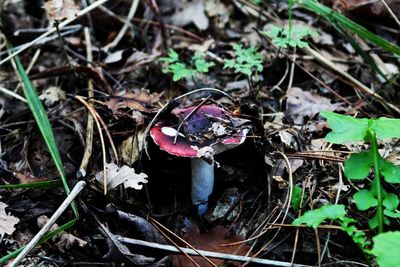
377	180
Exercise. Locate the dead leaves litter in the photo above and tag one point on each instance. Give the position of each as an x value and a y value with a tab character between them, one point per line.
122	175
61	9
7	221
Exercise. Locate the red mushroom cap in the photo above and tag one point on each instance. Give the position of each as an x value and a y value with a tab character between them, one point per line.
197	131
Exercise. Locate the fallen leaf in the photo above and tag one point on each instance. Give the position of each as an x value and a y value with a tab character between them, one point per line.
191	12
64	241
219	11
140	100
61	9
210	241
301	104
52	95
114	57
130	148
7	222
122	175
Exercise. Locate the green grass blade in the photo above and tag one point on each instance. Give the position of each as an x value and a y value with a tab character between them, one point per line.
44	124
41	184
335	17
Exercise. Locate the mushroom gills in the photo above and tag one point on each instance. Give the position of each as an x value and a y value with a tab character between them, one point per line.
202	184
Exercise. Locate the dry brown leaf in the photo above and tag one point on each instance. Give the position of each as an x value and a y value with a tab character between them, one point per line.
210	241
130	148
139	100
61	9
7	222
301	104
122	175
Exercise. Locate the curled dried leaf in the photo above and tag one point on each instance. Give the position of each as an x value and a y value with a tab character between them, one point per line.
61	9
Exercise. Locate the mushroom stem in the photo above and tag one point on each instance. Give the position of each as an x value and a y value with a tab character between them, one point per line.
202	184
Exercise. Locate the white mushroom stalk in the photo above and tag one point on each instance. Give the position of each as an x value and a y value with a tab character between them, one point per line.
202	184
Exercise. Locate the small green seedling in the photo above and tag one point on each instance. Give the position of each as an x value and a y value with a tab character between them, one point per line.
358	165
246	61
181	70
286	36
336	213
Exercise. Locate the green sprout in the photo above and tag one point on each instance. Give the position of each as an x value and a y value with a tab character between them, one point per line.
286	36
180	70
246	61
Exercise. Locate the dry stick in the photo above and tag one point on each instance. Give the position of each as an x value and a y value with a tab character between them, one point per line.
12	94
54	29
89	123
291	76
125	27
210	254
390	12
360	85
97	115
103	146
75	191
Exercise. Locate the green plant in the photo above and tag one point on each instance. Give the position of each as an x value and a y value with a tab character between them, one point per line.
336	213
181	70
358	165
297	197
289	36
201	64
386	247
246	61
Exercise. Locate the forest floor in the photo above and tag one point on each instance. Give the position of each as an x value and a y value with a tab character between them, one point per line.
96	91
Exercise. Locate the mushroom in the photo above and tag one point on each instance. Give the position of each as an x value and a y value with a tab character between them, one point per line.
199	132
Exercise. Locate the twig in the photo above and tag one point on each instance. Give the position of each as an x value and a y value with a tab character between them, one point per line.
75	191
210	254
291	76
89	124
390	12
103	146
12	94
125	27
54	29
